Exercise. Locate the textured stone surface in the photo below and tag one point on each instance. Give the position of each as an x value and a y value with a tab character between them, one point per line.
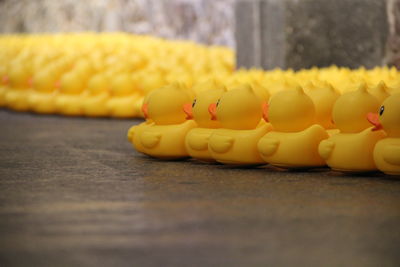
204	21
301	34
74	193
342	32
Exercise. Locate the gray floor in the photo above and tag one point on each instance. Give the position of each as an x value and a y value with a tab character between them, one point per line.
74	193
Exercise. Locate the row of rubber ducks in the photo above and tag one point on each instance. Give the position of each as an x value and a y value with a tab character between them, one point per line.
296	128
110	74
98	74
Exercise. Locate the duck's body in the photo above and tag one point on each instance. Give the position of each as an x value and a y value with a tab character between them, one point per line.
135	132
387	156
196	143
293	150
351	152
294	140
123	107
17	98
95	105
237	147
165	141
42	102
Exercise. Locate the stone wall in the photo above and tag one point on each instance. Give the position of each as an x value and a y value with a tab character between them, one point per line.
305	33
205	21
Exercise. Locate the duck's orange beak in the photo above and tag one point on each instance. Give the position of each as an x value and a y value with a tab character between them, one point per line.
373	118
5	79
265	108
187	108
145	112
212	109
57	84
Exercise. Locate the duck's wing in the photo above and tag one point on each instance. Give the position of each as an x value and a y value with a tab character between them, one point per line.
198	141
326	148
391	154
267	146
221	143
150	139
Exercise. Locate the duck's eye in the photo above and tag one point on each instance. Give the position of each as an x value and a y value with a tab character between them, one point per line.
194	103
218	102
381	110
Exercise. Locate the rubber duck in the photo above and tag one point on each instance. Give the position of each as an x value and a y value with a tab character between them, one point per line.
42	99
68	99
98	93
294	140
240	113
351	150
19	87
381	92
124	97
324	97
387	150
196	140
163	135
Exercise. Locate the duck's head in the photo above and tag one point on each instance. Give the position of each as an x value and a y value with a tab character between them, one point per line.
351	109
290	111
388	117
381	91
238	109
324	97
164	105
198	110
45	81
98	84
72	83
122	85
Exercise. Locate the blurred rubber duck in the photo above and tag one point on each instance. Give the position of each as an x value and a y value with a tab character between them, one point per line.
164	137
294	140
387	150
42	99
324	97
19	81
124	97
240	113
381	92
351	150
98	93
196	140
68	100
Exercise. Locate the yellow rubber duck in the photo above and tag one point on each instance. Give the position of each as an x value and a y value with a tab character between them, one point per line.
387	151
124	97
240	113
196	140
381	92
42	99
163	135
98	93
68	100
294	140
324	97
16	97
351	150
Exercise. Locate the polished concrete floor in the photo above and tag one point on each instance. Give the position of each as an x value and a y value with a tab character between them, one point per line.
74	193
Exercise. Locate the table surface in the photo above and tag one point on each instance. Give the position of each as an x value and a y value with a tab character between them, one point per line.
73	192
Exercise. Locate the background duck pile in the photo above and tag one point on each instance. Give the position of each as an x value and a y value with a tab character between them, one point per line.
110	74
